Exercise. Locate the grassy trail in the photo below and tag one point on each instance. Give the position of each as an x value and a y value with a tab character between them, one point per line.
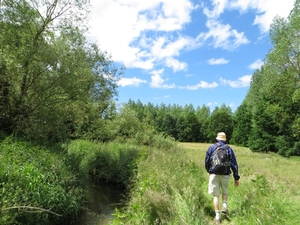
269	186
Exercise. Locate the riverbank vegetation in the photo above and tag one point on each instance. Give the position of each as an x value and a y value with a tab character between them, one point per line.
36	186
60	129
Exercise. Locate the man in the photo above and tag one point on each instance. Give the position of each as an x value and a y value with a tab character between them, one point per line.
218	181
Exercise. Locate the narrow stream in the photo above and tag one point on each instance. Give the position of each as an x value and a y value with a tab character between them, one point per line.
102	200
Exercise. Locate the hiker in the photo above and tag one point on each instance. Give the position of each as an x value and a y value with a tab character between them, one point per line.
219	175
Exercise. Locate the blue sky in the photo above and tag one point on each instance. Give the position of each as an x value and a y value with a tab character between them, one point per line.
186	51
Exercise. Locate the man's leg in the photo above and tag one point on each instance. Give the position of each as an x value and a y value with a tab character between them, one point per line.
217	207
214	189
224	185
224	203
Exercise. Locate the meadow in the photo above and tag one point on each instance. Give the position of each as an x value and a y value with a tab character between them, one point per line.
269	187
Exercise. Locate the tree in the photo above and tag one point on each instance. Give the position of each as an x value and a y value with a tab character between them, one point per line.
202	114
220	120
274	91
52	79
242	121
168	125
192	128
263	133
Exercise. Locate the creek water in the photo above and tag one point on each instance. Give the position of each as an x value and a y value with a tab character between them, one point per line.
103	199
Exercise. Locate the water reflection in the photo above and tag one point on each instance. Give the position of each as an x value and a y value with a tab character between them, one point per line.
102	200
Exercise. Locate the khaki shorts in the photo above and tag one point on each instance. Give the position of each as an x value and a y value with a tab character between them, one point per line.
218	183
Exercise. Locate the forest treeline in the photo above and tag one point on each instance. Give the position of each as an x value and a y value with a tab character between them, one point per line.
55	85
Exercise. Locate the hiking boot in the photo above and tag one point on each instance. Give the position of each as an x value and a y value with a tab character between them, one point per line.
224	210
217	221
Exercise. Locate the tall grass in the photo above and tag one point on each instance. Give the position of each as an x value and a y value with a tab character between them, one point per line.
167	190
110	162
269	187
35	186
166	183
39	185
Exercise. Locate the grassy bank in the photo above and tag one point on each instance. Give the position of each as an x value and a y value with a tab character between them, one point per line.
46	185
269	187
36	186
168	189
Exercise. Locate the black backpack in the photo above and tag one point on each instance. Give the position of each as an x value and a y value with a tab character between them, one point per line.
220	160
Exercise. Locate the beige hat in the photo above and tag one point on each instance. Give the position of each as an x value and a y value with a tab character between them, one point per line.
221	136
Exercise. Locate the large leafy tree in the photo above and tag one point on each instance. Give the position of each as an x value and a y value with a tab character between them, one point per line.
274	92
52	80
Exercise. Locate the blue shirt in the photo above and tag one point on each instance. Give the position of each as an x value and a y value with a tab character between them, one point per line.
233	163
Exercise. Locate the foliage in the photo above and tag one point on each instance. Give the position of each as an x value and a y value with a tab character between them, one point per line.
220	120
242	125
274	91
185	124
52	80
36	186
264	131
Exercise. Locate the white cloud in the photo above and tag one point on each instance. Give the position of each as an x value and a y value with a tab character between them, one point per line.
218	61
141	34
166	96
201	84
231	105
173	48
164	49
120	27
175	64
130	82
210	104
266	10
256	65
223	36
219	6
243	81
158	82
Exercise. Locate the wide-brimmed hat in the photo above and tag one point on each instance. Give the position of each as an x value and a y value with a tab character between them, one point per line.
221	136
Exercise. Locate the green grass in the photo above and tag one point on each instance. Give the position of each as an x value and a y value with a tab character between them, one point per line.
269	186
35	186
167	183
109	162
167	190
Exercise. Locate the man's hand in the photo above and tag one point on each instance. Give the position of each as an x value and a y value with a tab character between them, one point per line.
236	183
